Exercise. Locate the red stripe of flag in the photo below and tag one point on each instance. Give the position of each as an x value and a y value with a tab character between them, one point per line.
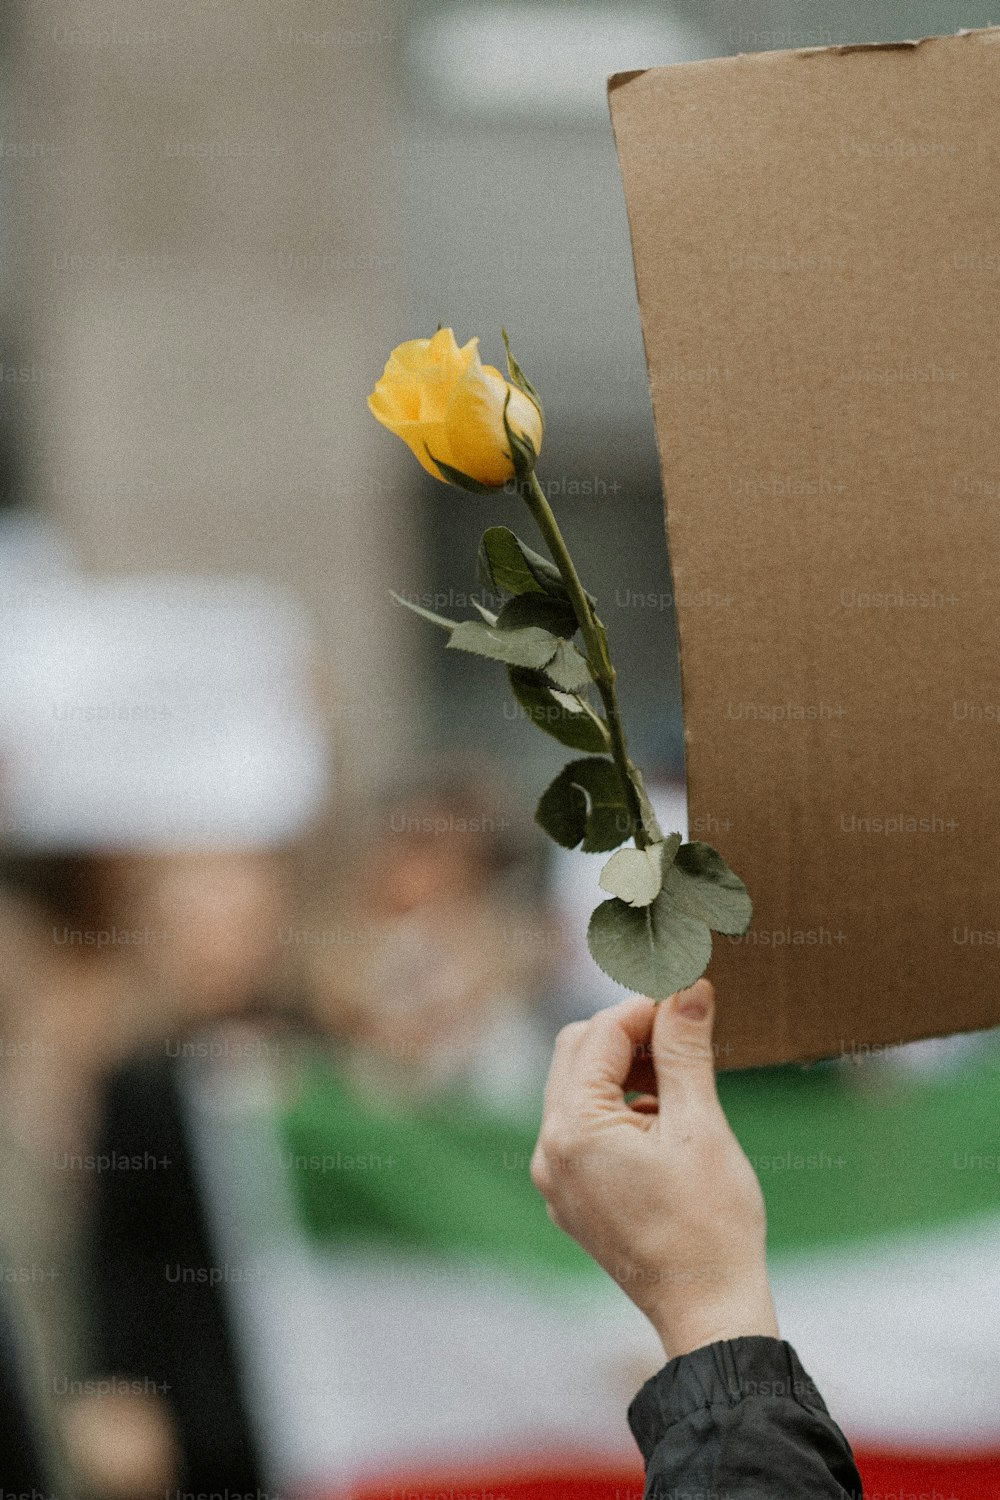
886	1475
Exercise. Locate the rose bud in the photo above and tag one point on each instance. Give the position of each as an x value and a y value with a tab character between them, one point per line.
448	407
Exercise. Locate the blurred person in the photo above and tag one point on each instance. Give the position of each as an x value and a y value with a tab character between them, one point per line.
405	1303
431	949
163	1357
170	1232
65	1009
161	756
27	1451
36	1302
50	1005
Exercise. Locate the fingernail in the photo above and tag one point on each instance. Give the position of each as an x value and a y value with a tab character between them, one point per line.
692	1003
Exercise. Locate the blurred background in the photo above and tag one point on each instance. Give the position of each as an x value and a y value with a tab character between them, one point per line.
220	217
284	954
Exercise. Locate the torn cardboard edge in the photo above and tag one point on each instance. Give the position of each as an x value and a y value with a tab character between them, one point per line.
840	49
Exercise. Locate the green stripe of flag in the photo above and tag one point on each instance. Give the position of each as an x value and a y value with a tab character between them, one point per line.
447	1177
838	1162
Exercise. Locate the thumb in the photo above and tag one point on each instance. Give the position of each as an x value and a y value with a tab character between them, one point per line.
682	1047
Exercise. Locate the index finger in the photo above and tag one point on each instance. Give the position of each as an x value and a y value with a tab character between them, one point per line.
598	1066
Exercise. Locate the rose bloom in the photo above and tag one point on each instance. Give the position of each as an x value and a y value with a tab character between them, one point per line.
443	401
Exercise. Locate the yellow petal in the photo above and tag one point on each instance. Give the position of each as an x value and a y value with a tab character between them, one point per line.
409	356
385	407
525	418
474	420
420	437
396	397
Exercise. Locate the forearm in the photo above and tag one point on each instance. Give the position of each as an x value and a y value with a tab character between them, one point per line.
741	1311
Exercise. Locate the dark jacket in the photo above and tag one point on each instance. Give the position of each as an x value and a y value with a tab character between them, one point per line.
740	1420
172	1338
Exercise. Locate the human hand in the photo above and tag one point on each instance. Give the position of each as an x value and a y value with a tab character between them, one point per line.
658	1191
122	1446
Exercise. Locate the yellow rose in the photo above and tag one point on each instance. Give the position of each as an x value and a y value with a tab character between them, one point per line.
446	405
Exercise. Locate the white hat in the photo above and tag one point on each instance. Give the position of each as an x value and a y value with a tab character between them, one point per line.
160	711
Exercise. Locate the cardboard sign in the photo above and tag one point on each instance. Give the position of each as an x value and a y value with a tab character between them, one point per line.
817	248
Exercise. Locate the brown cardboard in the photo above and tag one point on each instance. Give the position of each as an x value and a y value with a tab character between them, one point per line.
816	238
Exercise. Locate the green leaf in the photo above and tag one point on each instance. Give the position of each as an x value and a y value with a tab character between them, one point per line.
563	715
522	449
654	950
671	844
463	481
507	565
568	669
701	884
586	802
517	375
635	876
555	615
426	614
518	648
663	947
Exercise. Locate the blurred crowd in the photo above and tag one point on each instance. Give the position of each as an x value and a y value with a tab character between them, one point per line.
172	921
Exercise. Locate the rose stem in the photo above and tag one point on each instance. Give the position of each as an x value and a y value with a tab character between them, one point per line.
598	656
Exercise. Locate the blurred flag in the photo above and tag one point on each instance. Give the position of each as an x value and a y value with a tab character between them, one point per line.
883	1194
412	1322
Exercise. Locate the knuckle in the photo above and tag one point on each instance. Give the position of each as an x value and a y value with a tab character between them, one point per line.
682	1051
568	1034
557	1142
540	1173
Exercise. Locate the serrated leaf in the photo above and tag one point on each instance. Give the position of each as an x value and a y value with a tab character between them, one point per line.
517	375
701	884
665	946
555	615
653	950
426	614
671	844
635	876
568	669
509	566
518	648
562	715
586	802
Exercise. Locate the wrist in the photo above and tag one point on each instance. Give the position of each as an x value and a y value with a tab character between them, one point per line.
738	1312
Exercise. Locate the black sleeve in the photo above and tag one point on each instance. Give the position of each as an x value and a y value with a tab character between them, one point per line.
150	1327
741	1420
